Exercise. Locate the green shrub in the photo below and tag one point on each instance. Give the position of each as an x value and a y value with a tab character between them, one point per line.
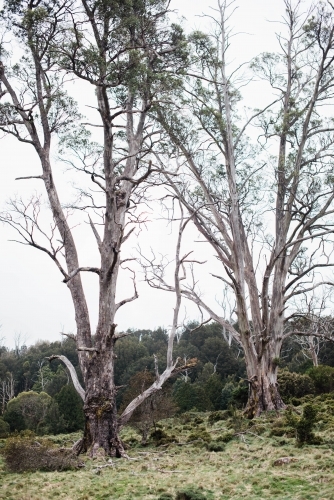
213	388
282	431
240	395
70	408
29	410
237	421
215	446
294	385
24	453
166	496
4	428
234	393
199	435
323	378
304	425
160	437
190	494
14	418
226	437
216	416
189	396
227	394
198	420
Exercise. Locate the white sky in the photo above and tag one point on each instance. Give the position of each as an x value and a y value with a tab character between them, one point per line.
34	303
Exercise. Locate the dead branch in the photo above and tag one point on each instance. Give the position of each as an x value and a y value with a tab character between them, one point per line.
79	270
73	373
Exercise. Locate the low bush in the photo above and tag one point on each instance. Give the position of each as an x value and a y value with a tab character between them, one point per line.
226	437
199	435
294	385
215	446
198	420
323	378
190	494
304	425
4	428
216	416
160	437
279	431
240	395
166	496
23	453
227	393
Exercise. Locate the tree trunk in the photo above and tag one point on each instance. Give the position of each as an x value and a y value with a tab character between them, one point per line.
144	435
263	387
313	350
101	428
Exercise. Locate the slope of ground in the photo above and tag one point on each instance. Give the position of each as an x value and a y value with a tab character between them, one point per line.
246	464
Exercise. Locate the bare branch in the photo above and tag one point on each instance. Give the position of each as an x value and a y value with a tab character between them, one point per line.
80	269
73	373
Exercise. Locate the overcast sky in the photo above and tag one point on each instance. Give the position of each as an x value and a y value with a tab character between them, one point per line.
34	303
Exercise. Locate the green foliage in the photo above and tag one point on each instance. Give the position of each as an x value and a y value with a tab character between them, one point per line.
240	394
189	396
226	437
13	416
227	394
210	346
160	437
24	453
282	427
190	494
323	378
216	446
304	425
213	388
24	363
29	410
294	385
4	428
199	435
71	409
215	416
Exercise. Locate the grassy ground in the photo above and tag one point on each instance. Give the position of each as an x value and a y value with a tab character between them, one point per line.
245	469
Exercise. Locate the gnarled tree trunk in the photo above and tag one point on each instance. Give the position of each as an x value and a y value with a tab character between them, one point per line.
263	387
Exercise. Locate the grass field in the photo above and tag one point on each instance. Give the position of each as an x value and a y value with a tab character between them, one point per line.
245	469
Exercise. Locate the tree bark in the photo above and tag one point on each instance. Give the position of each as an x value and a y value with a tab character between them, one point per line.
263	387
101	430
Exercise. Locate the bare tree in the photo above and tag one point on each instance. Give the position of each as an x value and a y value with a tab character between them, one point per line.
265	208
310	326
124	50
7	386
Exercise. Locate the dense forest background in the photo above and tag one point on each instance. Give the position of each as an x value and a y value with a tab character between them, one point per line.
38	395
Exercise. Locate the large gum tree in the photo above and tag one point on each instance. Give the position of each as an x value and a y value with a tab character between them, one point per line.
263	202
126	51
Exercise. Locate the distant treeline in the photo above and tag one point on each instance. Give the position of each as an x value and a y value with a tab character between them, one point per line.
45	400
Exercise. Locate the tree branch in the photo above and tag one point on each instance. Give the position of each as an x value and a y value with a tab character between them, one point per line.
73	373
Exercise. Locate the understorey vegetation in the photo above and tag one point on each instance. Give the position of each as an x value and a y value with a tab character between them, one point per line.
285	456
44	400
